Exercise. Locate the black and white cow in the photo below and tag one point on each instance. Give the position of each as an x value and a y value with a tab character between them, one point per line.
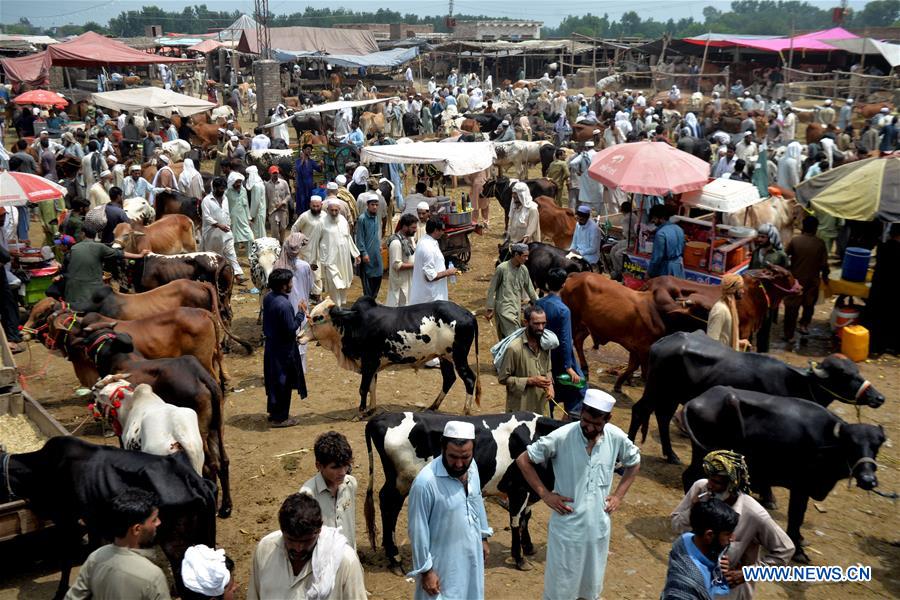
369	337
263	254
407	441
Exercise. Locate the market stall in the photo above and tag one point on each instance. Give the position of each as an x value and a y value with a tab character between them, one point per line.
457	212
152	99
711	249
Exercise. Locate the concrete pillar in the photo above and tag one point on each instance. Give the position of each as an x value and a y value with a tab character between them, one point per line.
267	76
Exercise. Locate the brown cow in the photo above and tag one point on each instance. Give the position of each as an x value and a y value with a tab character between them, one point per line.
206	135
557	224
582	132
179	332
171	234
470	125
870	110
371	123
685	305
611	312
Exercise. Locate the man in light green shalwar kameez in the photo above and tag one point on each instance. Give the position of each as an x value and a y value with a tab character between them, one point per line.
583	456
239	211
508	286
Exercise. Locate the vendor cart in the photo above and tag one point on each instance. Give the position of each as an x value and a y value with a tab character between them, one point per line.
712	249
455	245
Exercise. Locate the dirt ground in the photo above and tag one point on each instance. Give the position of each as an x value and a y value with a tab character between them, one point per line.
849	527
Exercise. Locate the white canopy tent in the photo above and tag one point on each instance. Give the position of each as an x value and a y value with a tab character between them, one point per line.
151	99
890	52
460	158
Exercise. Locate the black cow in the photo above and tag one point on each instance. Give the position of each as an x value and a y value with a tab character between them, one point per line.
698	147
406	441
541	259
70	480
788	442
320	122
369	337
488	123
684	365
501	189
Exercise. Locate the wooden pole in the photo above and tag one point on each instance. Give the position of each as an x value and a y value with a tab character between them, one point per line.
703	62
594	61
787	75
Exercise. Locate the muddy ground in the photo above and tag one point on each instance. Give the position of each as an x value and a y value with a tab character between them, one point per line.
849	527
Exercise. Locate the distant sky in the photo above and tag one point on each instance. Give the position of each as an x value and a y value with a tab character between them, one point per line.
49	13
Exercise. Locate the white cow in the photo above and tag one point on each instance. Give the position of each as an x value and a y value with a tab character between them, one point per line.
176	149
518	154
222	112
147	423
263	254
608	81
139	210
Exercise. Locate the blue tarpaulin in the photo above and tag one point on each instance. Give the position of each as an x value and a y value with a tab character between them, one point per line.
385	58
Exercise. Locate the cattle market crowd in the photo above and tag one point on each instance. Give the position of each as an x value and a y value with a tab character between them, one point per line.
177	244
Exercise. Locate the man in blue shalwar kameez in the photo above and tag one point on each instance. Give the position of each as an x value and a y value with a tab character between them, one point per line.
282	367
368	240
583	456
562	358
448	526
668	245
304	167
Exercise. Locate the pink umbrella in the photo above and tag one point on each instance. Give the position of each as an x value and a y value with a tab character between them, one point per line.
649	168
17	189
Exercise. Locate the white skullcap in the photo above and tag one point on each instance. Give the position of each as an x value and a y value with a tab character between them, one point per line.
723	150
222	130
331	186
235	138
599	400
315	197
105	172
849	101
111	158
341	180
229	121
828	102
589	144
597	131
459	430
203	571
504	122
885	109
135	168
422	206
164	158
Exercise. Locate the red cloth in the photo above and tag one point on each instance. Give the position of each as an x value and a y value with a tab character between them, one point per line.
87	50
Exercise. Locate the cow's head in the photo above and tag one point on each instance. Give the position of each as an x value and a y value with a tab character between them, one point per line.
128	238
326	324
39	316
112	395
777	281
139	210
839	378
859	444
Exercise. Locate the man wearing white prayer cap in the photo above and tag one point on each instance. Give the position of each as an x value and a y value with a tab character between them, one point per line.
583	455
208	572
333	251
448	528
98	193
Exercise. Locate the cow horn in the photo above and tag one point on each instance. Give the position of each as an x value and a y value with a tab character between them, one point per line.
837	430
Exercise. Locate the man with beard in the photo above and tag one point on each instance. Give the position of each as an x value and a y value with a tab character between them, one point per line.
124	569
401	252
509	284
307	223
304	558
694	570
333	251
448	528
583	455
525	365
728	480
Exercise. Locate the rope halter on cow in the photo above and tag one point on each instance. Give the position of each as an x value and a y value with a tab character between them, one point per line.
111	407
97	345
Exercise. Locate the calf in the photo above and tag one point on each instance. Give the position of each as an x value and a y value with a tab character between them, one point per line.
172	234
557	223
145	423
406	442
611	312
788	442
697	362
541	259
369	337
70	480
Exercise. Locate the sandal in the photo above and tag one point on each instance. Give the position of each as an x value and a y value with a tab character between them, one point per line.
290	422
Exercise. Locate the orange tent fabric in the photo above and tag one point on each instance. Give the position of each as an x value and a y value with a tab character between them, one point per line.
206	46
87	50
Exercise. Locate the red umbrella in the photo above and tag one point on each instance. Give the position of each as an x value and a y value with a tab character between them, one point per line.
17	189
41	97
649	168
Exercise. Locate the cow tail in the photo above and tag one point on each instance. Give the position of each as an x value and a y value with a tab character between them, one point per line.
369	506
244	343
477	368
219	356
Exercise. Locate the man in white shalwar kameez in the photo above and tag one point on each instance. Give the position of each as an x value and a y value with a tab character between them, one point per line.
256	192
215	233
191	181
342	120
590	191
280	131
430	272
448	527
583	455
335	253
306	224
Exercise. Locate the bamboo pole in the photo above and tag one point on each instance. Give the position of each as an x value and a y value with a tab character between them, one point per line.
791	52
703	62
